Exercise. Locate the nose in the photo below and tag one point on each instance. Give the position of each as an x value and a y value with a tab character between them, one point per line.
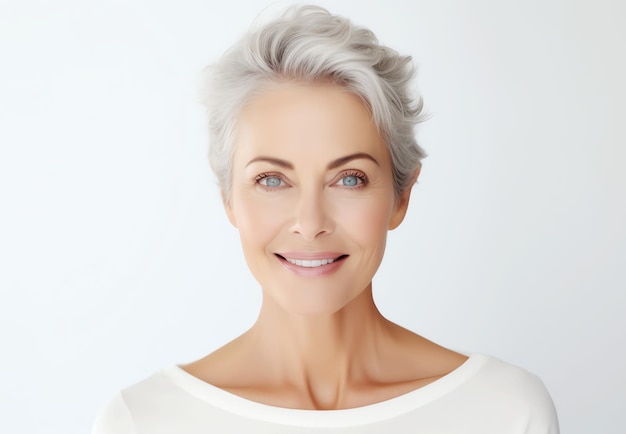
312	217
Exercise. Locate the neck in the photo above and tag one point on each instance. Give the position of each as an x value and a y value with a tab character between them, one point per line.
323	354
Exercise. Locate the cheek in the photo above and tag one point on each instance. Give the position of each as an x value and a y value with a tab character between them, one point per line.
258	221
366	224
368	217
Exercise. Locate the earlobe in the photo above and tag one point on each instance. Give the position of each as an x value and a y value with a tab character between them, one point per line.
402	203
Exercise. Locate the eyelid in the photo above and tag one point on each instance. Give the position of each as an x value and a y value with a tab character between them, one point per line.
357	174
264	175
267	175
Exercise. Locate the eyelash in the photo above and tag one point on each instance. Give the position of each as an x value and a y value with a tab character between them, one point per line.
261	176
357	174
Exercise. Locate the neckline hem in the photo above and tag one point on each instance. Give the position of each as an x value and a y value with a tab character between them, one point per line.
367	414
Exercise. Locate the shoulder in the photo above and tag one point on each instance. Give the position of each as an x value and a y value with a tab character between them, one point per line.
500	377
120	414
114	417
513	393
168	401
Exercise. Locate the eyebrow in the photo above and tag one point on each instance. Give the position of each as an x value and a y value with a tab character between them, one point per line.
343	160
332	165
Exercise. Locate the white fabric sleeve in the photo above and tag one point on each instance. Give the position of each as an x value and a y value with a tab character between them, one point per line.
114	418
542	412
547	418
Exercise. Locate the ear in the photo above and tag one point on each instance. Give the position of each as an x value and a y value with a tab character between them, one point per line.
229	209
402	203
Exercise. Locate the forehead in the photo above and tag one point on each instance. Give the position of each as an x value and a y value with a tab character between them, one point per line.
292	116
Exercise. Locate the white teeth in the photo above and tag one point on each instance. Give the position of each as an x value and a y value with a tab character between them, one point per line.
310	263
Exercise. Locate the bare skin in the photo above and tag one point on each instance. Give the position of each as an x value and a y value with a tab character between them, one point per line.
312	180
351	359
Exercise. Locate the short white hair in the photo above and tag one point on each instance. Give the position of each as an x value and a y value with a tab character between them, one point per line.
307	43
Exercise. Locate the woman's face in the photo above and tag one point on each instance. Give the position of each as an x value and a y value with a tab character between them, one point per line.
312	195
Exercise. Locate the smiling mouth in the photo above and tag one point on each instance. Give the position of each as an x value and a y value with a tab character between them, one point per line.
312	263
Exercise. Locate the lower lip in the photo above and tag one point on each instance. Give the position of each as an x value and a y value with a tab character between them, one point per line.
322	270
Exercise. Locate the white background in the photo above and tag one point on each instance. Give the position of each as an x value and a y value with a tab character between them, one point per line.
116	259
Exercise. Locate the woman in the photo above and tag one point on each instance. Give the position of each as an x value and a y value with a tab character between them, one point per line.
312	142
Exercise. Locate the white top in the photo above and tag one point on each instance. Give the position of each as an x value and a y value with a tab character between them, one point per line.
482	396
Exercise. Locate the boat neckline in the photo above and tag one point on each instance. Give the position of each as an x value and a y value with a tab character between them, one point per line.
366	414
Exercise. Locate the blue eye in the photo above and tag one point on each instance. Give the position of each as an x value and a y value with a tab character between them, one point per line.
352	180
271	181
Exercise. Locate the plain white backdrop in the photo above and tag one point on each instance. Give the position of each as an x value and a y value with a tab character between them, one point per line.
116	258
